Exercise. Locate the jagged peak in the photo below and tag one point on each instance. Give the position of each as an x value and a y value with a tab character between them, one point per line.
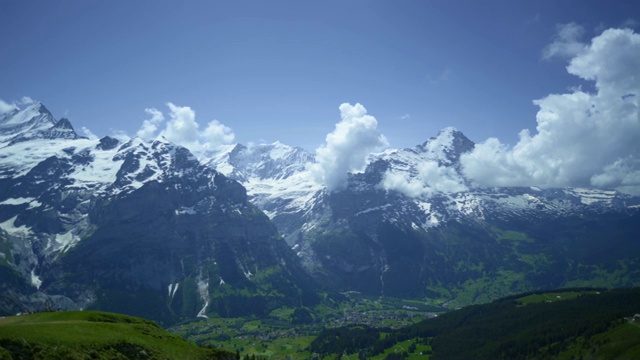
37	108
448	136
37	105
448	145
61	130
449	130
448	133
35	112
63	123
235	149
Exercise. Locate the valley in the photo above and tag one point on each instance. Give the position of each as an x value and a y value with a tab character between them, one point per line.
562	324
282	334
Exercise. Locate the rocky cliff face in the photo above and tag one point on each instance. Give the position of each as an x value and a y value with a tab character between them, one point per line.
132	226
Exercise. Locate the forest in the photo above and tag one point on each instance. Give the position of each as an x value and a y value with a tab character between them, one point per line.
521	326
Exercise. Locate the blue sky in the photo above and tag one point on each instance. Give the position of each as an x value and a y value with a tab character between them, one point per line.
279	70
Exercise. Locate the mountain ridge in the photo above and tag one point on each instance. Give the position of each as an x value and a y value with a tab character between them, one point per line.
116	223
107	223
417	204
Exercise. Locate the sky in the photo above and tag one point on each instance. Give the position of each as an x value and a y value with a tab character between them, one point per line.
211	72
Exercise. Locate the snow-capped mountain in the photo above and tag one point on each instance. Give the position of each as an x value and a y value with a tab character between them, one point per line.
429	176
411	223
277	181
32	123
144	227
131	226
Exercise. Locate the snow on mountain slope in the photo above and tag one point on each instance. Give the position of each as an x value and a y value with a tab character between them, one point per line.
31	123
265	161
276	178
278	181
78	216
49	178
426	182
30	120
57	190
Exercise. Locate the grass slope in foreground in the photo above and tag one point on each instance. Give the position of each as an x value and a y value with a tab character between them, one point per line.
94	335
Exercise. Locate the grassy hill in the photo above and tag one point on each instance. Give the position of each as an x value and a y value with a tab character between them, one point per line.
93	335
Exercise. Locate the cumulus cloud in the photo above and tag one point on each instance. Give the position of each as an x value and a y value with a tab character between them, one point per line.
399	181
218	133
6	107
347	147
183	129
566	43
149	127
429	179
623	174
581	139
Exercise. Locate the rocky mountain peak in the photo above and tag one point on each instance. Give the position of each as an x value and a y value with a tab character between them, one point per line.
447	146
39	107
24	123
262	161
61	130
131	217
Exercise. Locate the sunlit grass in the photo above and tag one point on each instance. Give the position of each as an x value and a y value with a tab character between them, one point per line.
92	334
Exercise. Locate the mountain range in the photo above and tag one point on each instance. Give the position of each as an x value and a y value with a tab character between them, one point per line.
411	224
132	226
146	228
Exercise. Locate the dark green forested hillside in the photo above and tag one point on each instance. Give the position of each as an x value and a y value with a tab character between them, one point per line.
580	323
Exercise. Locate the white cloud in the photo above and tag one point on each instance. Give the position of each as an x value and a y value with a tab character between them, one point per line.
347	147
400	181
218	133
581	138
182	128
623	174
440	178
405	117
86	132
5	107
430	178
149	127
566	43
